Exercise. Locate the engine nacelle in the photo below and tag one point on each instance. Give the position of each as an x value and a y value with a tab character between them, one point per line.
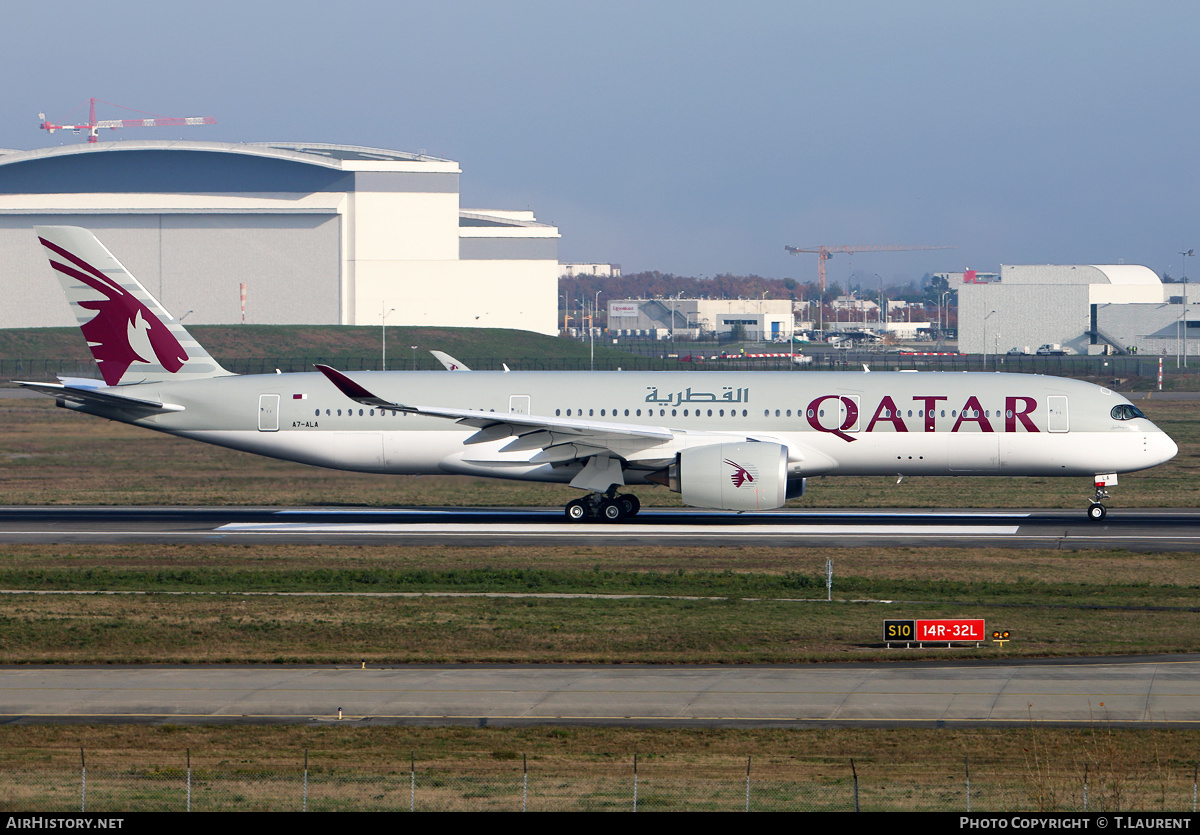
795	487
739	476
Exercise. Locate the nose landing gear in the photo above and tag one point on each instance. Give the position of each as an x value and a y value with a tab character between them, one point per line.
1096	509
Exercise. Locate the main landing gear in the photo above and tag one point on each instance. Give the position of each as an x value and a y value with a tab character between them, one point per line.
603	507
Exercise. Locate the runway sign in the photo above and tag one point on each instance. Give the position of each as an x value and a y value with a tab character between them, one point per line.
950	630
935	631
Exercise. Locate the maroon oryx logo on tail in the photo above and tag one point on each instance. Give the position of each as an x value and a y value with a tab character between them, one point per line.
740	474
120	321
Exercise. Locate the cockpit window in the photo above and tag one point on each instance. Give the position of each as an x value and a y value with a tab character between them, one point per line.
1126	411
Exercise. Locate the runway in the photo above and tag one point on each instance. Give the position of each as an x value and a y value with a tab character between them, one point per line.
1161	691
1140	529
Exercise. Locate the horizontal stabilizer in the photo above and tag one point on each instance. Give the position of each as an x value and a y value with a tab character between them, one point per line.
103	399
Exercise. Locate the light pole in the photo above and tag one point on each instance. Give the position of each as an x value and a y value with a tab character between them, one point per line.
1185	306
383	314
592	329
414	356
985	351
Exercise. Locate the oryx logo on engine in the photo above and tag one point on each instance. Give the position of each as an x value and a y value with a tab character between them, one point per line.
741	475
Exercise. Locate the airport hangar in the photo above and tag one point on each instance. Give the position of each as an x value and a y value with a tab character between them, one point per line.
1087	309
320	234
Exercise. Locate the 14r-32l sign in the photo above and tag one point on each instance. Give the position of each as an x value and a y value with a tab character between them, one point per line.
936	631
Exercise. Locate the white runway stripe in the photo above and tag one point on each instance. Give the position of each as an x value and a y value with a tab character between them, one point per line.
624	530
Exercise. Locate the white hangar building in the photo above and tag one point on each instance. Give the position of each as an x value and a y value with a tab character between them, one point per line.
1031	305
320	234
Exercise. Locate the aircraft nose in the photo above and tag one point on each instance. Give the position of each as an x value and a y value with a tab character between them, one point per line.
1161	447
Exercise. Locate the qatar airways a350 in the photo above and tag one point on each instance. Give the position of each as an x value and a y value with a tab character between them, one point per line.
737	441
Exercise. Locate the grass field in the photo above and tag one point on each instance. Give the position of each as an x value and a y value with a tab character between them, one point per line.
299	604
1029	768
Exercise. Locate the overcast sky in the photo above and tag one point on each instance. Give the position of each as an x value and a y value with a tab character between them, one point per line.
691	137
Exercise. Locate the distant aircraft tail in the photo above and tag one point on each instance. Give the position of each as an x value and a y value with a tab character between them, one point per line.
133	338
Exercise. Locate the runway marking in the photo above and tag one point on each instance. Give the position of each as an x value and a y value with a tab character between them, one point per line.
435	529
658	513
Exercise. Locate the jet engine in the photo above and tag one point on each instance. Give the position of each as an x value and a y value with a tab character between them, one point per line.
735	476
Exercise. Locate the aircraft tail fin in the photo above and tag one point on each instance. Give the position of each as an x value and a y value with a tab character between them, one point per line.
132	337
449	362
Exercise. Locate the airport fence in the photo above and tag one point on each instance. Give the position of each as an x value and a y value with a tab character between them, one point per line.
1120	372
602	783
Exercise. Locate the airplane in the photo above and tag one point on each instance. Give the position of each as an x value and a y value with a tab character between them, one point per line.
732	440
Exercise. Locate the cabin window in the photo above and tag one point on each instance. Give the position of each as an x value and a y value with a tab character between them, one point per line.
722	413
317	413
674	412
568	412
627	412
557	412
710	412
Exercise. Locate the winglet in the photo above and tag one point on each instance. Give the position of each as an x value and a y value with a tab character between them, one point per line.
356	392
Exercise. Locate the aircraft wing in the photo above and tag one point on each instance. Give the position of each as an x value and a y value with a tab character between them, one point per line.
133	406
558	439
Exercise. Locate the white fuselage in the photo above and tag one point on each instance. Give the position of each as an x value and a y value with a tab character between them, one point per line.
830	422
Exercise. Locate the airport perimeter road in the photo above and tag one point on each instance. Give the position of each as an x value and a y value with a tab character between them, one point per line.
1158	691
1141	529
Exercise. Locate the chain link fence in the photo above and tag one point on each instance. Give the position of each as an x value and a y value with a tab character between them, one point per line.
604	785
1121	371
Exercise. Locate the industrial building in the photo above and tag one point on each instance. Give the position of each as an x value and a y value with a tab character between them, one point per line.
1085	309
320	234
757	319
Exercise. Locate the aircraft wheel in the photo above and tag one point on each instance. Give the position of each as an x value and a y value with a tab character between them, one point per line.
612	511
1097	511
576	511
631	504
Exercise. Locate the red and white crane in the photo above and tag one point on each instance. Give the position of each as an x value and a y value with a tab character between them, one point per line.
92	126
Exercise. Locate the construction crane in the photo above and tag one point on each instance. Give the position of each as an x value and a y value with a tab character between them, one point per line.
92	126
824	253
